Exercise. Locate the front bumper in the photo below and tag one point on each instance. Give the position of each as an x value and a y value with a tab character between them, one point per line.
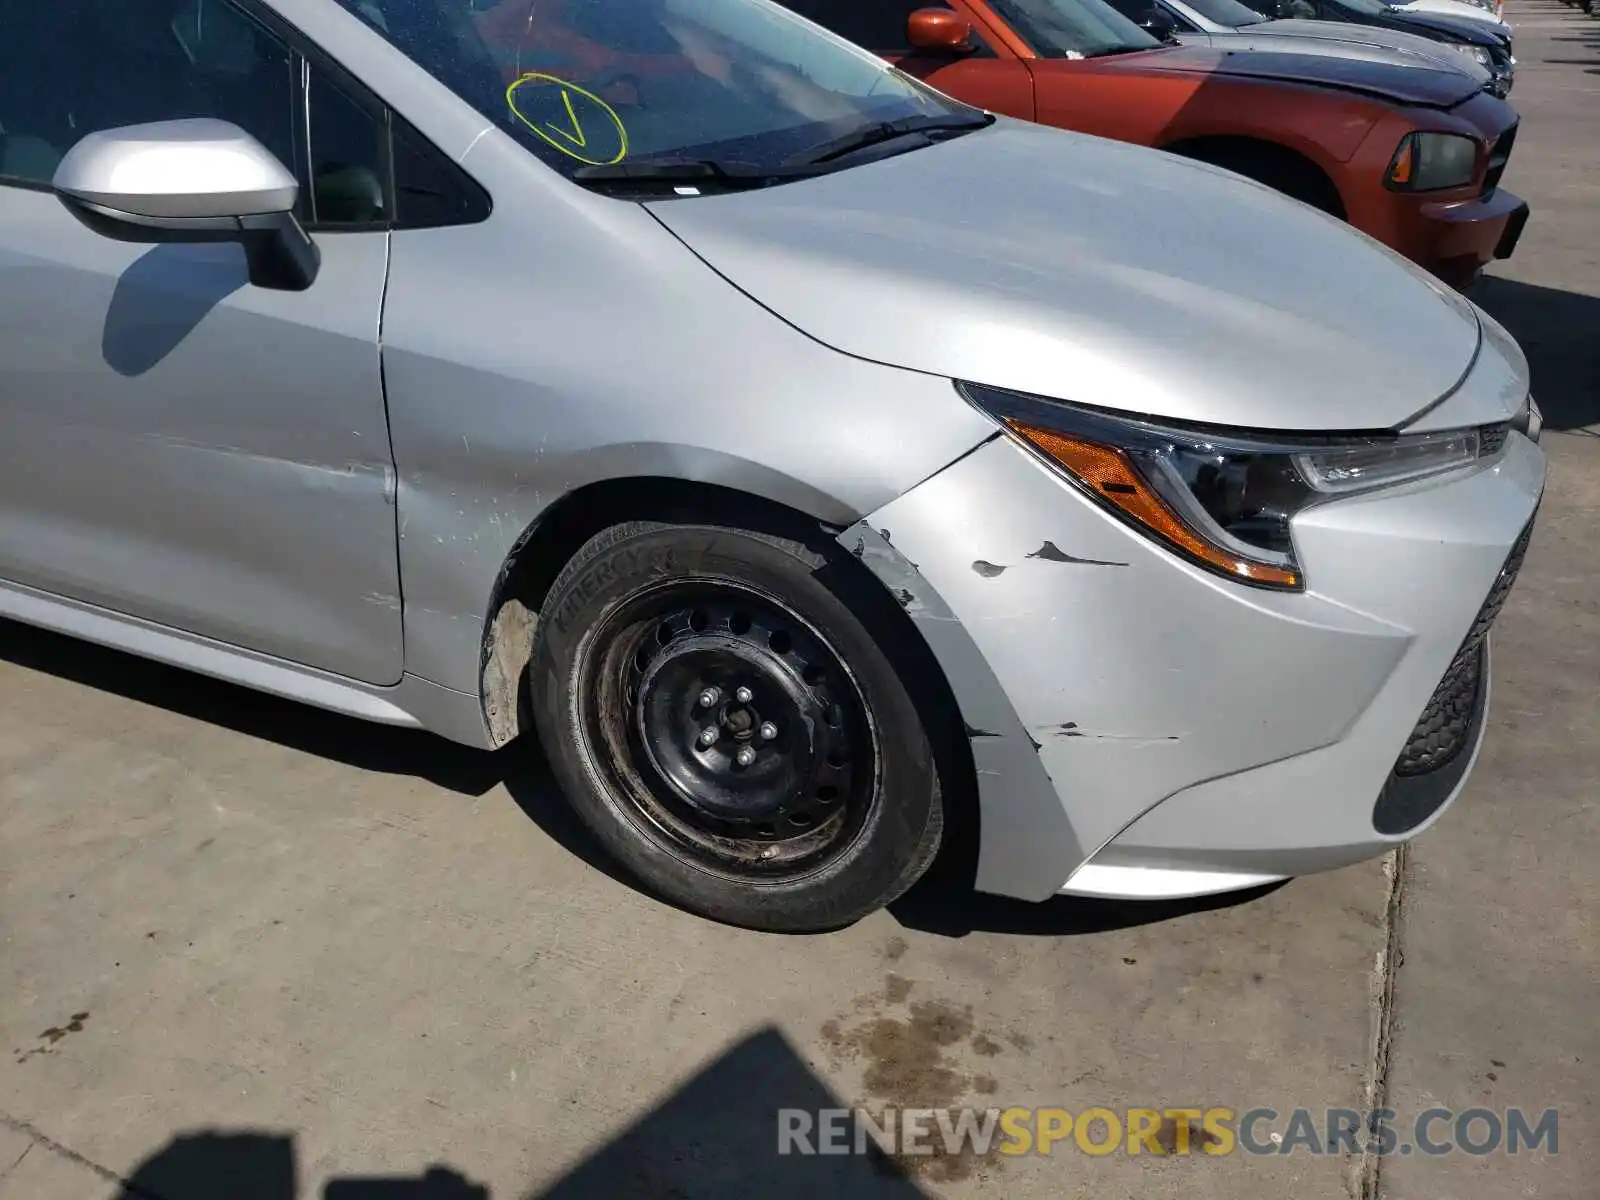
1456	239
1143	728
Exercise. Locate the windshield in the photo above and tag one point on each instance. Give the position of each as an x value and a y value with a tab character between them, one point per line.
1367	8
1073	28
595	84
1226	12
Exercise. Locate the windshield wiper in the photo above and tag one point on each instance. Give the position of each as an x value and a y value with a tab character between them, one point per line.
689	171
886	131
1110	50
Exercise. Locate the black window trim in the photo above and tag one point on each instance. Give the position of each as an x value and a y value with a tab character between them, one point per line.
26	185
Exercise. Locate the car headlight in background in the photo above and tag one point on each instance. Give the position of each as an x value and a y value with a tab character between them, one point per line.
1478	54
1529	421
1429	162
1221	499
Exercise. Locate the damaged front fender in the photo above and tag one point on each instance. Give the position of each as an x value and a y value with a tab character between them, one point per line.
1111	673
1028	845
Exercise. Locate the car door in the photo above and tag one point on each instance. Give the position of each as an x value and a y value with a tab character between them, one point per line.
177	445
988	75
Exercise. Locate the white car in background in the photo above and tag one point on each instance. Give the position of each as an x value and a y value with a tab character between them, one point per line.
1490	12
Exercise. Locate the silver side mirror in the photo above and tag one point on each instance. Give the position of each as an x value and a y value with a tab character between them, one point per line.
191	181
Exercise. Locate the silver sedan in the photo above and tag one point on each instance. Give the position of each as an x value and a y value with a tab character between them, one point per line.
827	473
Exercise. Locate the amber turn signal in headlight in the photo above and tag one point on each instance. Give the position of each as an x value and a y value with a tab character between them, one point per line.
1430	162
1109	473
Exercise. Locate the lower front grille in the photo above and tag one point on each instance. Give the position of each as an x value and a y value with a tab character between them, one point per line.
1441	734
1434	762
1492	438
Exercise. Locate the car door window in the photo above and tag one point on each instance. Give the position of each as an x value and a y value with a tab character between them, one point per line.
98	64
429	189
370	169
875	24
1139	11
349	173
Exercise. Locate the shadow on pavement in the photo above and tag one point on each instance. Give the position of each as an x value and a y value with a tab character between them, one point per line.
370	747
944	904
257	1165
364	745
1560	333
715	1138
948	911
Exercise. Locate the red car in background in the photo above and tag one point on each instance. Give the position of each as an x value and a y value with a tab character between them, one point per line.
1410	155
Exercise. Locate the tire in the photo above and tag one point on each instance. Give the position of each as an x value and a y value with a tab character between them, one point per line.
647	642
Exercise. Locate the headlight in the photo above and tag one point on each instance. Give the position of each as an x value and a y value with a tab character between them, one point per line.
1529	421
1429	162
1478	54
1223	500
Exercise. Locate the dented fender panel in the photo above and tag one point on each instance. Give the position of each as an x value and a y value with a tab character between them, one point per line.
1028	844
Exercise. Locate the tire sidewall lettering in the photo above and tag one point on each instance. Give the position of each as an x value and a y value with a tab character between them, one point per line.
624	563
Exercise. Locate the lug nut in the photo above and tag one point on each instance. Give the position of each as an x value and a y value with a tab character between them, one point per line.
768	731
745	757
743	695
708	735
709	697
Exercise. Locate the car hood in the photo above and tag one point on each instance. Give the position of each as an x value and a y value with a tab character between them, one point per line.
1450	28
1369	38
1404	81
1094	271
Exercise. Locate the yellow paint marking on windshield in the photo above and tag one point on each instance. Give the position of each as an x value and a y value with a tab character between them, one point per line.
577	128
570	143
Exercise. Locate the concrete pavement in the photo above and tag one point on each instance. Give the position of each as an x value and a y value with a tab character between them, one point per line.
1497	999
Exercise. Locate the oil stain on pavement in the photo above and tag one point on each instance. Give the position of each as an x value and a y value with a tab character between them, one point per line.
919	1054
54	1034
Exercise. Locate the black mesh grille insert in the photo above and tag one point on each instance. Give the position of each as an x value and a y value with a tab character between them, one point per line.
1492	437
1442	732
1499	156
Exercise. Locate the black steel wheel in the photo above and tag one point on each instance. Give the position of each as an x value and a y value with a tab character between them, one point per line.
729	724
730	729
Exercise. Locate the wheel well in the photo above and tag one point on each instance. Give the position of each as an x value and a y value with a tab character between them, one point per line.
560	531
1269	163
544	548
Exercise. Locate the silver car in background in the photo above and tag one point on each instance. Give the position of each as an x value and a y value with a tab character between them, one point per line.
1232	25
827	473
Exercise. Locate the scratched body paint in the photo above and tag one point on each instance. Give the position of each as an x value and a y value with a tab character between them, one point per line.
575	121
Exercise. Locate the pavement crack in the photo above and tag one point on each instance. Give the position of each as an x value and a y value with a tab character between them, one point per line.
1367	1172
17	1162
130	1190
